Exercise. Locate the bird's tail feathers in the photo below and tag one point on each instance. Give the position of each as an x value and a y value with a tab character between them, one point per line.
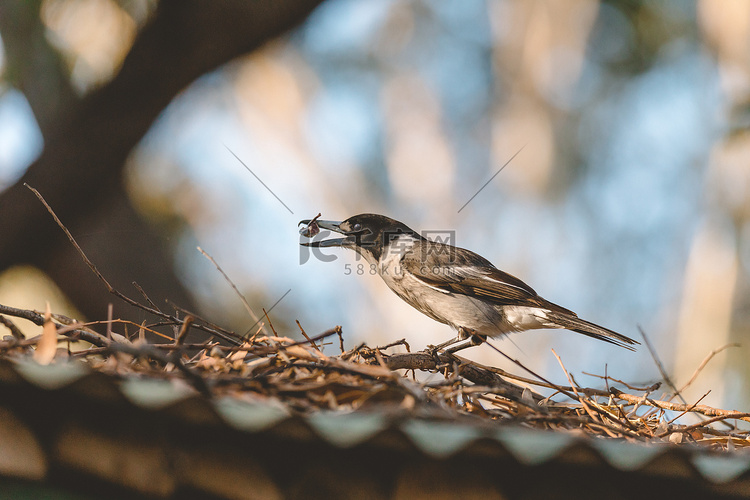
576	324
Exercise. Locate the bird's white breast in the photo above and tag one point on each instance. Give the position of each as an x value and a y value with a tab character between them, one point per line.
390	264
441	305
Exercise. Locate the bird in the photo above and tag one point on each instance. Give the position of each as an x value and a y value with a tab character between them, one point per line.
451	285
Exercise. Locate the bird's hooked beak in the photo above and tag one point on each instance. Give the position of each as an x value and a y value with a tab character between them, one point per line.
331	225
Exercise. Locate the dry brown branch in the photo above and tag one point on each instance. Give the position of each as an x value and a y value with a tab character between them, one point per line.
265	313
402	342
184	329
115	292
145	328
688	410
145	295
667	405
700	425
425	361
632	387
660	366
38	319
704	363
14	331
304	334
297	375
231	283
341	340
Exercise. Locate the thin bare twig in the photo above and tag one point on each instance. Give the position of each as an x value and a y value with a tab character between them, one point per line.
660	366
302	330
689	409
184	330
14	330
340	333
701	425
667	405
109	320
38	319
145	295
705	362
110	288
402	342
593	410
607	378
231	283
265	313
532	373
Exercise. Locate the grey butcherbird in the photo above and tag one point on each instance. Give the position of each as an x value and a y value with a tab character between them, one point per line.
453	285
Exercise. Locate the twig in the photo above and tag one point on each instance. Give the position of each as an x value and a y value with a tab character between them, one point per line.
567	375
659	365
231	283
128	322
38	319
689	409
699	425
110	288
265	313
606	377
206	325
145	296
667	405
109	320
402	342
531	372
312	343
14	330
650	388
589	409
425	361
184	330
704	363
340	333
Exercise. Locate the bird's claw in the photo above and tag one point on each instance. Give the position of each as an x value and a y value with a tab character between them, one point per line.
432	350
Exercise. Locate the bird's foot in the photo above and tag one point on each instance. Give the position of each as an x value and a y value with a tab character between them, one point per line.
477	339
432	350
464	333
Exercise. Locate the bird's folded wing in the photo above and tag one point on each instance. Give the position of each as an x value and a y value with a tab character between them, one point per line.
470	274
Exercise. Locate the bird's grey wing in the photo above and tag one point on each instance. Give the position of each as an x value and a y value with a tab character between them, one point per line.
464	272
467	273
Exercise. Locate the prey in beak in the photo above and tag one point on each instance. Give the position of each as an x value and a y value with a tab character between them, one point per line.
313	227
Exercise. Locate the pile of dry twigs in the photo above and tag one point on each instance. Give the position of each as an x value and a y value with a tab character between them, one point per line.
300	376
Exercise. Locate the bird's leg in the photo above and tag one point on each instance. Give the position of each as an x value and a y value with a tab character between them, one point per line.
474	339
433	349
463	334
439	347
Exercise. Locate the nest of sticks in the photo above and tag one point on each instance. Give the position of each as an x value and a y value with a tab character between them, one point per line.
300	376
268	366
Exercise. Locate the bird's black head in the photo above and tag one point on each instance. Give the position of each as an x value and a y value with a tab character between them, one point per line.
368	234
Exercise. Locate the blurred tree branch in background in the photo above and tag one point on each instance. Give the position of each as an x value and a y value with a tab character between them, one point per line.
88	139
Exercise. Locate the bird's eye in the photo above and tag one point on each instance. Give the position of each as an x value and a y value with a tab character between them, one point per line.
357	226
